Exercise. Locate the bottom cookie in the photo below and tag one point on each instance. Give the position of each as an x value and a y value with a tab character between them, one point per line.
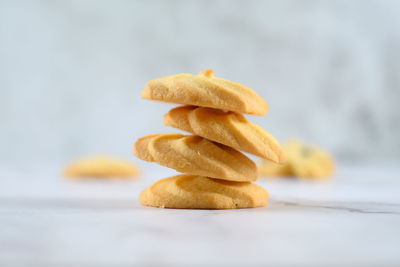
199	192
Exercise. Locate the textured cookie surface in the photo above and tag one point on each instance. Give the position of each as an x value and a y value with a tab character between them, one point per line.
302	161
228	128
101	167
199	192
196	155
206	91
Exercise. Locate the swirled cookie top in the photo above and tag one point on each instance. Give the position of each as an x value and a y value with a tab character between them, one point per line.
196	155
205	90
228	128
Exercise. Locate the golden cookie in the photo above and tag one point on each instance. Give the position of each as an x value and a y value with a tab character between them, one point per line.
199	192
196	155
206	91
274	169
311	162
302	161
228	128
101	167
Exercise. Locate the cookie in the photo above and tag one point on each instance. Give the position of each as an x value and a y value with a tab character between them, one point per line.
311	162
206	91
199	192
303	161
101	167
228	128
274	169
196	155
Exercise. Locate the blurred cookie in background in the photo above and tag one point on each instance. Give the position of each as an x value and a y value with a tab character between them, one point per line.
101	167
303	161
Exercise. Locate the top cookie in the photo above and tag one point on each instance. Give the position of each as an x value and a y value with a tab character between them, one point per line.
205	90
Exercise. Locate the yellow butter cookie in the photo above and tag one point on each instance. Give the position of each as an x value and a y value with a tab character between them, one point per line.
228	128
196	155
303	161
274	169
206	91
199	192
310	162
101	167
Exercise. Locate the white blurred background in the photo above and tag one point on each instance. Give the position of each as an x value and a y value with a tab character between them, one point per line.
71	71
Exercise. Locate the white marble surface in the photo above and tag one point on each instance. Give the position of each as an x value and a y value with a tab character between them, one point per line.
352	220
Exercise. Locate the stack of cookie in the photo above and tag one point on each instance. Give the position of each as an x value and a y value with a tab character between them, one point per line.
217	175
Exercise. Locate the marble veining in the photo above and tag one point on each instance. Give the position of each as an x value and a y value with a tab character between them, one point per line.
351	220
383	208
